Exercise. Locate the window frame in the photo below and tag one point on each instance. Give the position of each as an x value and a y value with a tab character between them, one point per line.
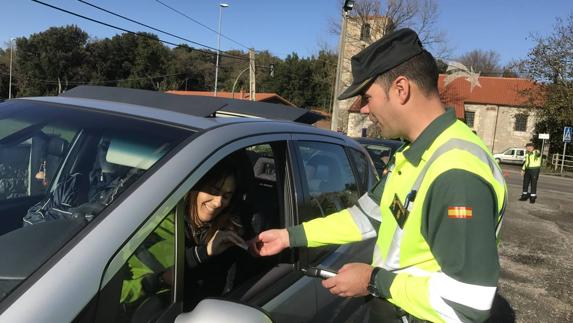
520	122
314	256
366	32
467	118
174	200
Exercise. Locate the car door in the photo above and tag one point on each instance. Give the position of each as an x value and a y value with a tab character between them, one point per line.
275	284
519	156
329	182
509	156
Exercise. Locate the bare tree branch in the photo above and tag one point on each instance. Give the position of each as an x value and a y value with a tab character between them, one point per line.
419	15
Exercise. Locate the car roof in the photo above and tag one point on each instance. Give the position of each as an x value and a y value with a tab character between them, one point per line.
192	112
202	106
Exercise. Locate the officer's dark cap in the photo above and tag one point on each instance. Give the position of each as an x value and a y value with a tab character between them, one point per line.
381	56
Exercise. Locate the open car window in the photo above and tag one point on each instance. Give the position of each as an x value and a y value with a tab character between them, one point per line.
60	168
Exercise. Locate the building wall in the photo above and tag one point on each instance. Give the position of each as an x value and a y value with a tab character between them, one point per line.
357	121
495	125
352	46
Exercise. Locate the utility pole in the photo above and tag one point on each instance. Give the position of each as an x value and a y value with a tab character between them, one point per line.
11	54
221	6
348	5
252	76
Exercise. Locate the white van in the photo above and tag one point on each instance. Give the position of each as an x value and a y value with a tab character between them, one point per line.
511	155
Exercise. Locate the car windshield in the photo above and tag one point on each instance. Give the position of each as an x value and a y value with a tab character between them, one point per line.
59	169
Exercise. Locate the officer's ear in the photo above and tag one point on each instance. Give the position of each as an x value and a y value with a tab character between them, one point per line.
402	89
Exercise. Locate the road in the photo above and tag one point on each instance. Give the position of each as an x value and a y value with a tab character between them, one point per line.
536	251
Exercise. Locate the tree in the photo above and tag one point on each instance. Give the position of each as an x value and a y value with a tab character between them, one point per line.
419	15
323	69
4	72
51	61
550	63
512	69
485	62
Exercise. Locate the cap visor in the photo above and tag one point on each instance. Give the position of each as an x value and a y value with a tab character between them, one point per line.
356	89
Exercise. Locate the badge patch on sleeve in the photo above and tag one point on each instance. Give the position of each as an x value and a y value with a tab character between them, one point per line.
459	212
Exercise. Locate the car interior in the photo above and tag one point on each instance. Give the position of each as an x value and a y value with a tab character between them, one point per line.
248	278
46	201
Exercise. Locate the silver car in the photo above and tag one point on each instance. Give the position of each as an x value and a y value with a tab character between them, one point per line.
86	178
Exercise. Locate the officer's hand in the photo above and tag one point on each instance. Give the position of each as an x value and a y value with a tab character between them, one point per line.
270	242
522	172
351	281
222	240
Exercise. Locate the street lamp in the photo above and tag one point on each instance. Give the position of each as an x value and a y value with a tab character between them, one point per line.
11	55
221	6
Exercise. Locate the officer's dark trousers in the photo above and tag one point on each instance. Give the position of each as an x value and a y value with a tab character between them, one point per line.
530	177
382	311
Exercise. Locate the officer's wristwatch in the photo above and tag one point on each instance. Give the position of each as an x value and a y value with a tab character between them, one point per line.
372	289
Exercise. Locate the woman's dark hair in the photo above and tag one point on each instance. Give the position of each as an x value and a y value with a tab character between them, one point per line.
216	177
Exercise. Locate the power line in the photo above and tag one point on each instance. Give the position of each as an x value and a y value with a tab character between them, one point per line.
199	23
144	25
136	33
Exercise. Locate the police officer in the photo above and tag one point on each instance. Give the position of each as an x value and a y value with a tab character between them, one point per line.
530	173
440	204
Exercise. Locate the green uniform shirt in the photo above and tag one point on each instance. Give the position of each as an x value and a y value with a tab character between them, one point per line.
466	250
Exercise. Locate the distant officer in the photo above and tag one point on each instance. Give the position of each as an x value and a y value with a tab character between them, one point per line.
440	204
530	173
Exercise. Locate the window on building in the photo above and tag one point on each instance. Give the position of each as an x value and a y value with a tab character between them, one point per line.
520	122
469	116
365	32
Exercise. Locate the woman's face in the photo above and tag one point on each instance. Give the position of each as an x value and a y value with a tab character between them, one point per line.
214	198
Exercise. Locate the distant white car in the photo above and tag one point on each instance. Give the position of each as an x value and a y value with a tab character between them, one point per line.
511	155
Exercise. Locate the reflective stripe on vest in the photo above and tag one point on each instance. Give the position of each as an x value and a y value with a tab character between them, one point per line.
393	256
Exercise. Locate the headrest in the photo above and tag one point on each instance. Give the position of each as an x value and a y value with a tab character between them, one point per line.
56	146
265	169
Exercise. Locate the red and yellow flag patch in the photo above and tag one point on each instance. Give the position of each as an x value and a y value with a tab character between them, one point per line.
459	212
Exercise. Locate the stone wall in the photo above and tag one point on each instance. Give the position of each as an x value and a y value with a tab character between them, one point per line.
352	46
495	125
357	121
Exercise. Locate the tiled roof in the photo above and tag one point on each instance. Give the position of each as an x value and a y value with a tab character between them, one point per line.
493	90
261	97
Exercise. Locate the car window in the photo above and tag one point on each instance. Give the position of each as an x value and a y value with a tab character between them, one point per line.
330	186
363	169
235	274
510	152
255	205
520	153
328	177
30	155
60	168
143	286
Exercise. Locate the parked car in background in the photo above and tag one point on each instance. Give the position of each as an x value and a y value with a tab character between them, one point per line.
380	150
87	177
513	155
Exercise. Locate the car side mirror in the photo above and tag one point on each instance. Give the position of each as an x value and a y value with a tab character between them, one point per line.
220	310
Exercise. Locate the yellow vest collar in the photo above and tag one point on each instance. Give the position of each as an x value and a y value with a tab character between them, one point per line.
416	149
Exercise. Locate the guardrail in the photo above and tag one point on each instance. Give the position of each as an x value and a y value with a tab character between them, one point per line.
562	162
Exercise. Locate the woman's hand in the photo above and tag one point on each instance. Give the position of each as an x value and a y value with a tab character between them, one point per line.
222	240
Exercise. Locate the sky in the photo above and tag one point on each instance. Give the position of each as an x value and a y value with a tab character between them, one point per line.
287	26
